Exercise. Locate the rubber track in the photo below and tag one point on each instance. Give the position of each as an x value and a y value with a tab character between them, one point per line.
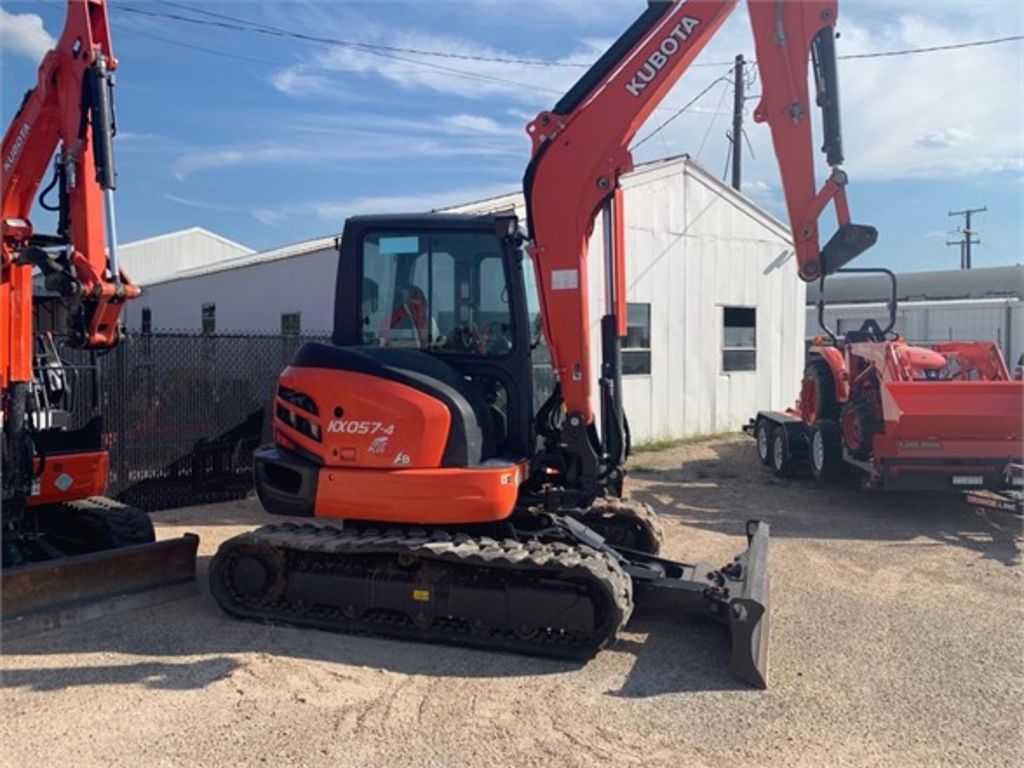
638	512
125	525
323	549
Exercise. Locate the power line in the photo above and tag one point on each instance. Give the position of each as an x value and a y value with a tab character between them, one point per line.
932	48
244	25
335	69
680	111
711	123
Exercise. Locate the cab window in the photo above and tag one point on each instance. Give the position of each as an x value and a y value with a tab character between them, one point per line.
442	292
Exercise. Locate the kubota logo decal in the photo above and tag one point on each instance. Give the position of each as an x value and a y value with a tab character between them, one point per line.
669	47
19	143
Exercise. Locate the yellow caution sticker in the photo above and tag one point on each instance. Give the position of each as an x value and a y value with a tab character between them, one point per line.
421	595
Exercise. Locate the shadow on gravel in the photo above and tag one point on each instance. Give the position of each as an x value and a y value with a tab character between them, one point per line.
677	656
241	512
716	494
155	675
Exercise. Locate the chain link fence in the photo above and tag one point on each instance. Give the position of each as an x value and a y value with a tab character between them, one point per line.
182	413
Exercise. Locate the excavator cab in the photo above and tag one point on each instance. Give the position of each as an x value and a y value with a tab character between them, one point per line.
428	381
451	287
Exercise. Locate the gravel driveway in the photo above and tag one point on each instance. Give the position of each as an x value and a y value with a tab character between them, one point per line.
897	640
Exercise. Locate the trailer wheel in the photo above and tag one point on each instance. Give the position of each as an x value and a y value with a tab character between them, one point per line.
826	452
763	438
783	464
818	393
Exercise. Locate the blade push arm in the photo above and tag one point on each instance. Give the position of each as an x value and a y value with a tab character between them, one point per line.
581	149
68	112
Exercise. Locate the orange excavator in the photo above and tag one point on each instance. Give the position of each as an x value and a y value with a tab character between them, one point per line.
470	516
67	549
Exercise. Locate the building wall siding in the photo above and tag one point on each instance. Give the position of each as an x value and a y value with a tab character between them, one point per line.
693	247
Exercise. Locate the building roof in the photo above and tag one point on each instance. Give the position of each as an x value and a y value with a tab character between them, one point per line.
679	164
170	255
940	285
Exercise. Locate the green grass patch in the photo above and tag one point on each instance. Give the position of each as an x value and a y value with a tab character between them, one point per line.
652	446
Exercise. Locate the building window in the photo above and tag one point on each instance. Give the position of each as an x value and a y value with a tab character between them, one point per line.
739	340
209	319
636	348
291	323
147	320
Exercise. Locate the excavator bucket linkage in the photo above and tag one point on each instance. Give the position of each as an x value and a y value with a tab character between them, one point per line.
41	596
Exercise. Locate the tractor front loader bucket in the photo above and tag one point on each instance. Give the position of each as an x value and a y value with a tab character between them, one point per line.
973	411
45	595
737	595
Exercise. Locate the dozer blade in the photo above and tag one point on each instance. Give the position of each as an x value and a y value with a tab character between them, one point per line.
736	595
46	595
749	621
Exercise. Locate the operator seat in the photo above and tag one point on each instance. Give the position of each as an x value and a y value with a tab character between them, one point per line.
472	438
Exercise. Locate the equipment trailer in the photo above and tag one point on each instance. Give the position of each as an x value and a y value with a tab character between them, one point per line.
901	417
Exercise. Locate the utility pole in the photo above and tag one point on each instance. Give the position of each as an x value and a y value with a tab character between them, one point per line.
967	240
737	122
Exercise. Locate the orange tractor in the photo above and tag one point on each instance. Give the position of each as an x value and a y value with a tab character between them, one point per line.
903	417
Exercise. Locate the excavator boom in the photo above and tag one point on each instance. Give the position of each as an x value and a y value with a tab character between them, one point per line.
581	149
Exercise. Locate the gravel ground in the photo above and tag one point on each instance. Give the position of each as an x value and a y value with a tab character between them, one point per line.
897	640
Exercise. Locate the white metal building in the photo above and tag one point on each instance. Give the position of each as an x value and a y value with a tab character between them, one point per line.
165	257
716	316
984	304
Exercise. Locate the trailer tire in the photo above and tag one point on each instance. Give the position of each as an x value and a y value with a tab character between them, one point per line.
818	393
763	441
783	464
826	451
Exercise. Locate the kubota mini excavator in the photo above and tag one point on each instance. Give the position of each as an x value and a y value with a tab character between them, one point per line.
64	546
469	516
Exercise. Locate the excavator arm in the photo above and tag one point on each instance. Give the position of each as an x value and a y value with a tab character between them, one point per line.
581	149
70	113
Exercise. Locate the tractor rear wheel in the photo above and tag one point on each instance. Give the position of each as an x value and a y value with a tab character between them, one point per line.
859	427
818	393
826	452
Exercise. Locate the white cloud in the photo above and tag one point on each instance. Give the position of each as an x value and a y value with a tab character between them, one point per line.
476	124
903	117
24	34
317	139
204	160
943	138
335	211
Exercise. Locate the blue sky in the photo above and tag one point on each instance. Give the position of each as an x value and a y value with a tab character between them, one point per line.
270	140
